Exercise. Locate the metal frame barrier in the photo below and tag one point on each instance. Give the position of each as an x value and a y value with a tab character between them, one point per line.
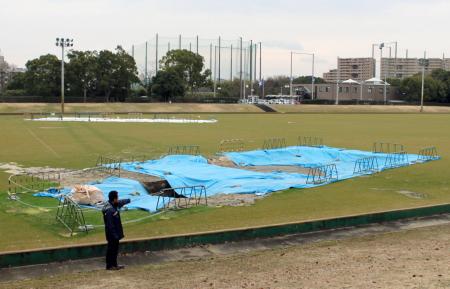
367	165
71	215
428	154
274	143
322	174
182	197
193	150
396	159
231	145
309	141
108	165
23	183
387	148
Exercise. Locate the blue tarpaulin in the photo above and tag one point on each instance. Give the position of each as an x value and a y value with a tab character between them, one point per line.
185	170
308	157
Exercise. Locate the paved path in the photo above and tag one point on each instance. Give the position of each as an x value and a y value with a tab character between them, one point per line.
159	257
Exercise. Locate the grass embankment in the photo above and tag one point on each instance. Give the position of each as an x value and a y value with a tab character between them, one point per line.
127	107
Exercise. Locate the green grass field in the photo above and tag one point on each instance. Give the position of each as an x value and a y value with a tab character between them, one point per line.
77	145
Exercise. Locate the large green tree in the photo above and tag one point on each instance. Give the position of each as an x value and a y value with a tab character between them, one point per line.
115	73
435	90
188	65
82	72
168	84
43	76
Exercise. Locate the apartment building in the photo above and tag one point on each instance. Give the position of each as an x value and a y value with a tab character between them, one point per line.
359	69
406	67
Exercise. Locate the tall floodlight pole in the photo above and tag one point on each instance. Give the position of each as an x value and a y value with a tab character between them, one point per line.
251	66
337	82
260	70
256	57
197	44
61	42
179	42
215	69
220	46
290	76
231	62
385	74
132	50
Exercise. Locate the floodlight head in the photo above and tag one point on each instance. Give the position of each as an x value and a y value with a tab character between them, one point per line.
57	39
381	45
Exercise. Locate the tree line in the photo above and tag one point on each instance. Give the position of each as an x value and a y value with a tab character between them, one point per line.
436	88
87	73
113	76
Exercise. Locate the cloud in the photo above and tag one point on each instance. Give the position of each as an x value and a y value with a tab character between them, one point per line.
328	28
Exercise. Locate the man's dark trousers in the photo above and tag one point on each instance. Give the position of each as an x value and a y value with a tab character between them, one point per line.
111	253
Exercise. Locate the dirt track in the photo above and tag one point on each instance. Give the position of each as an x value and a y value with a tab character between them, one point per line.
417	258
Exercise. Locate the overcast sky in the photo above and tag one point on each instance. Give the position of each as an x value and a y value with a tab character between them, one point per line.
344	28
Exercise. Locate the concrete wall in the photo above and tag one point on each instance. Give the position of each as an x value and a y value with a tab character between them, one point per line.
22	258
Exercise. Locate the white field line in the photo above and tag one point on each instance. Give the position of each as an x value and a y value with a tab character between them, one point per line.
123	120
43	143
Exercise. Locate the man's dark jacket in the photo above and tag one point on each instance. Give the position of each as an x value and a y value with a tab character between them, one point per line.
113	224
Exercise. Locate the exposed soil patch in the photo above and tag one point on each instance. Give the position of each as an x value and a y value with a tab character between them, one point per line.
413	195
234	200
71	178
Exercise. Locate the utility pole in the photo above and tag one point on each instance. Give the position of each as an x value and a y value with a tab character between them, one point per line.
385	74
337	82
61	42
220	43
145	64
251	66
260	70
215	69
240	69
210	61
290	77
424	63
231	62
312	77
156	57
197	44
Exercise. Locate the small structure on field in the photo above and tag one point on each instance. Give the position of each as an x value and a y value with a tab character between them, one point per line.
309	141
322	174
193	150
231	145
387	148
428	154
274	143
367	165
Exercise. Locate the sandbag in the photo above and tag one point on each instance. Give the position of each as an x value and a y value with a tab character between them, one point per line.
87	195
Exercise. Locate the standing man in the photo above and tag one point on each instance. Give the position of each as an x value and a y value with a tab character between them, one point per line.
113	228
